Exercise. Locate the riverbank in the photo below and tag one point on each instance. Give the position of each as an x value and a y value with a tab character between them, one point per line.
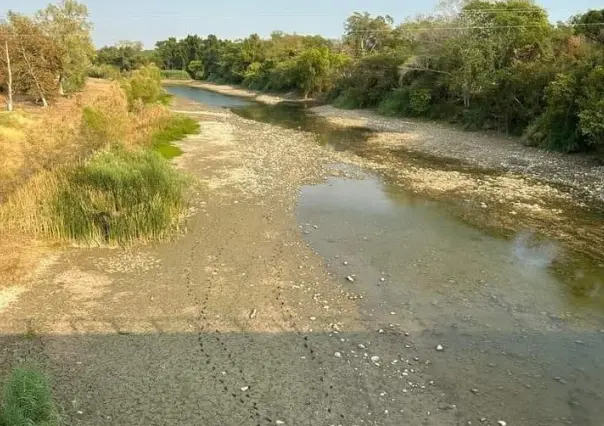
583	175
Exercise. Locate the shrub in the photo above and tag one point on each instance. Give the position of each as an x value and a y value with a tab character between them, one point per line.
27	400
173	128
143	86
558	126
175	75
118	197
406	101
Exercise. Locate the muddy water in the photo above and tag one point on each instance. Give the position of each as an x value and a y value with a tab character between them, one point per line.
521	320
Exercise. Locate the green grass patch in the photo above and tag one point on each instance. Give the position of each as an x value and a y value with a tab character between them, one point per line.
118	197
175	75
173	129
27	400
165	98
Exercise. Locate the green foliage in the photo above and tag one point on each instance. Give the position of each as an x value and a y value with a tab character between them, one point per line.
591	25
96	127
174	128
195	69
67	23
369	81
558	127
108	72
591	117
499	69
27	400
125	55
119	197
143	86
175	75
408	102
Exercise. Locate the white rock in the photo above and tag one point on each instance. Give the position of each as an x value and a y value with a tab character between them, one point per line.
349	278
313	318
501	423
375	358
361	346
382	279
440	348
345	263
245	388
280	422
338	355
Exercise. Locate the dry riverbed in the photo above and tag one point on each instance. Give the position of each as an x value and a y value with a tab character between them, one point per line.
236	322
240	322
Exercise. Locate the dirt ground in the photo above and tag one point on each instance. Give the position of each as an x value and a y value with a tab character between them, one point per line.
235	322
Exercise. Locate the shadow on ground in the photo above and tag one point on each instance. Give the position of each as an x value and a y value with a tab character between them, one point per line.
199	378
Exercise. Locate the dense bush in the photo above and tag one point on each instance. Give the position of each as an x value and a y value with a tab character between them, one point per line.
143	86
27	400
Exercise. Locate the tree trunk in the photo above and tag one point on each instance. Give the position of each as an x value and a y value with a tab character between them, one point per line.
61	90
33	75
9	100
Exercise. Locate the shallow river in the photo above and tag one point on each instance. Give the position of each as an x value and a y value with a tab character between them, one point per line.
518	325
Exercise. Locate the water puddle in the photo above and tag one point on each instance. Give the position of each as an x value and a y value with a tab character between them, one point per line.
511	317
206	97
441	262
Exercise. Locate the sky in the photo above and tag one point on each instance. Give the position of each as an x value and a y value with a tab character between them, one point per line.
152	20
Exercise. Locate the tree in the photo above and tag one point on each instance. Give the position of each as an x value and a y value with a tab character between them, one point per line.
37	58
5	50
314	69
126	55
67	23
365	34
590	25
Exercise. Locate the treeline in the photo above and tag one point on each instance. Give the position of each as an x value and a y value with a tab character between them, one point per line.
45	55
490	65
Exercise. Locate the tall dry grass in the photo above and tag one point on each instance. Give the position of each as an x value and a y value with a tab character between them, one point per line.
53	184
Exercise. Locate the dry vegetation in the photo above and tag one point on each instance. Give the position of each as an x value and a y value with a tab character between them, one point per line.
45	150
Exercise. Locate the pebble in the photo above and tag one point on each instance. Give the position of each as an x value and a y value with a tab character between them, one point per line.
502	423
474	391
316	226
361	346
382	279
313	318
245	388
375	358
440	348
393	313
338	355
345	263
349	278
280	422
